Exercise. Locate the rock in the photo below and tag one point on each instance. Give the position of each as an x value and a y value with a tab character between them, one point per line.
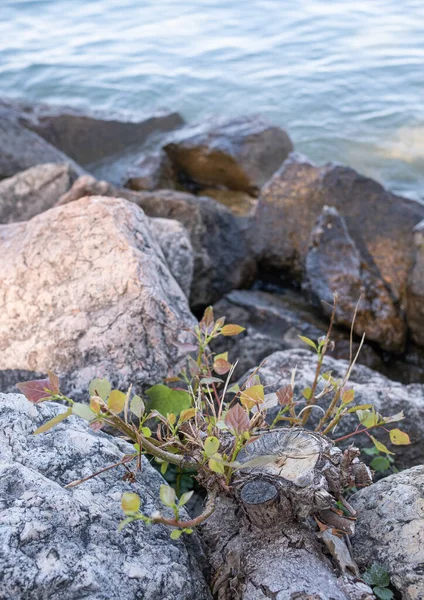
86	292
223	259
379	223
63	544
274	322
334	266
175	243
151	172
21	149
415	295
390	529
388	397
239	154
240	203
33	191
89	137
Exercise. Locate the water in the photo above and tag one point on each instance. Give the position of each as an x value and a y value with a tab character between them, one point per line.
345	78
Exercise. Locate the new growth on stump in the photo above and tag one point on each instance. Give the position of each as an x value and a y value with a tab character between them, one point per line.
270	461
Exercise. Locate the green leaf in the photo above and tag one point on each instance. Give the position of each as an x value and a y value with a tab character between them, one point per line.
164	467
348	396
57	419
116	401
380	464
100	387
146	431
83	411
307	393
380	447
359	407
167	400
399	438
175	534
130	503
137	406
216	465
185	498
370	451
211	446
308	341
383	593
167	495
377	575
367	418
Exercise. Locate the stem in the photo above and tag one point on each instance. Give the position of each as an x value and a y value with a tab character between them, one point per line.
209	509
123	461
349	435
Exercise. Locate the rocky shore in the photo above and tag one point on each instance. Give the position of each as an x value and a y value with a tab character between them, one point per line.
114	237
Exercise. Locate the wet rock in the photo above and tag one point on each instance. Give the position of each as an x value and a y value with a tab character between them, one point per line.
274	322
238	154
223	258
415	305
334	266
388	397
390	529
88	137
175	243
151	172
86	292
379	223
64	544
21	149
33	191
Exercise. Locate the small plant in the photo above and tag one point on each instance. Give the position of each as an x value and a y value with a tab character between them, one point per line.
200	422
381	463
379	579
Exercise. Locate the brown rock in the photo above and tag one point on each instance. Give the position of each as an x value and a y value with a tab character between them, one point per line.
239	154
86	292
151	172
379	223
334	266
33	191
415	305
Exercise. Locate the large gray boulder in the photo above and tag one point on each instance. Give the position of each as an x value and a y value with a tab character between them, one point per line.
387	396
63	544
88	137
238	154
86	292
334	266
223	259
33	191
415	297
21	149
390	529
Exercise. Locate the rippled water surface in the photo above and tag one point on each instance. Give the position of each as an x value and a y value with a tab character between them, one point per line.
345	78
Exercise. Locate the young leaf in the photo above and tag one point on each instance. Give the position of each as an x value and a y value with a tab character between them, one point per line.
175	534
57	419
171	418
221	366
285	395
307	393
164	467
95	404
229	330
377	575
167	400
380	447
146	431
359	407
137	406
116	401
54	382
209	380
380	464
211	446
394	418
35	390
348	395
130	503
100	387
367	418
399	438
167	495
308	341
185	498
206	323
83	411
187	414
252	396
216	465
237	419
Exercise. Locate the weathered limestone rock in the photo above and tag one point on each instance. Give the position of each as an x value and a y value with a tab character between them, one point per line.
380	223
150	172
223	259
334	265
175	243
21	149
63	544
33	191
274	322
239	154
415	298
89	137
390	529
85	291
388	397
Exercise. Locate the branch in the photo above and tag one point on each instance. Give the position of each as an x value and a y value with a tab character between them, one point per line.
209	509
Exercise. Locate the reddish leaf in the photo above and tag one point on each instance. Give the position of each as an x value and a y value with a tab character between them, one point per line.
54	382
285	395
237	419
96	425
35	390
221	366
206	323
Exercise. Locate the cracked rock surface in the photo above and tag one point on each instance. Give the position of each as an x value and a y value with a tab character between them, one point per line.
63	544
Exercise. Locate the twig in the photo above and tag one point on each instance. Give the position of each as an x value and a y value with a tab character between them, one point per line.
209	509
123	461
